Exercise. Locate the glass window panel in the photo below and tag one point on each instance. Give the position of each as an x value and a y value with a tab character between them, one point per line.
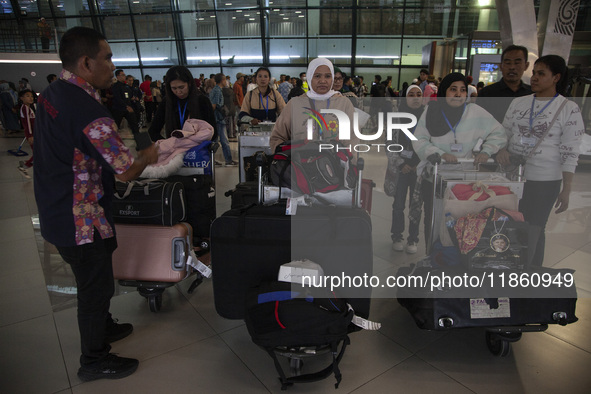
198	25
157	74
154	26
330	3
150	6
28	8
124	54
241	51
161	53
73	7
232	4
336	50
427	21
412	51
368	74
239	23
336	22
291	51
291	3
202	52
118	27
6	7
286	22
113	6
386	22
378	52
380	3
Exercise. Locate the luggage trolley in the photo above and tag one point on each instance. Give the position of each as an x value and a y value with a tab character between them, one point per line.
153	290
251	140
446	175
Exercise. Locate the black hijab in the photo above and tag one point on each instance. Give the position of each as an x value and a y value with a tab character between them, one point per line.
436	124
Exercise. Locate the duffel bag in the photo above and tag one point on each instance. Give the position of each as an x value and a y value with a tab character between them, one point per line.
149	201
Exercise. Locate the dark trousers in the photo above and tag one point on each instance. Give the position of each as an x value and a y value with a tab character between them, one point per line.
536	204
405	183
45	44
427	192
92	265
150	109
131	120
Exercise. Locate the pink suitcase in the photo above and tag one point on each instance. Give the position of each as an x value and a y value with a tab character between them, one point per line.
152	258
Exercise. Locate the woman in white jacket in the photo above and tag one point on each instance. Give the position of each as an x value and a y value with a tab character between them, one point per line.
546	130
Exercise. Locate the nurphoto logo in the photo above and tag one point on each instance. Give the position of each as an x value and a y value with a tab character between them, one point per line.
344	123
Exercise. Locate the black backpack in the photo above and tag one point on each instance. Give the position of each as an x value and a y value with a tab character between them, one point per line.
281	314
302	167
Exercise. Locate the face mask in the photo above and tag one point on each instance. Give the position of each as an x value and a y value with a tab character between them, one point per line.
304	79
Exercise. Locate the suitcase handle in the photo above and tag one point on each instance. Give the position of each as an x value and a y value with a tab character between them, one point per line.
179	257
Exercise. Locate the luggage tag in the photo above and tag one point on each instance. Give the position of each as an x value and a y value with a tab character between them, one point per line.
194	262
528	141
292	204
456	148
364	323
407	154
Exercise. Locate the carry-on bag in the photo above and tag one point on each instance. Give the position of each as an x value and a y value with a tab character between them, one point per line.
200	195
149	201
281	315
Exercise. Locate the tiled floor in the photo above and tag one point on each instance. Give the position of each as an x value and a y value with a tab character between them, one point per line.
187	347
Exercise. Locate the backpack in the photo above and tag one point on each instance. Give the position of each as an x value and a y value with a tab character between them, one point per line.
282	314
305	169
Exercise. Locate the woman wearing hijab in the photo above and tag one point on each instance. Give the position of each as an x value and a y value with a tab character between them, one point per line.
263	103
405	163
546	129
451	128
292	124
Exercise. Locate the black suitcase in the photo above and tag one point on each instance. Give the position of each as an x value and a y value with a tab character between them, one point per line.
249	245
200	196
445	307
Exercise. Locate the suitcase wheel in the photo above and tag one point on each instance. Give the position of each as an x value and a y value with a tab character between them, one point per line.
295	366
154	297
499	344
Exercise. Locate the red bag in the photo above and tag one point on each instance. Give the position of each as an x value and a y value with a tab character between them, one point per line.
478	191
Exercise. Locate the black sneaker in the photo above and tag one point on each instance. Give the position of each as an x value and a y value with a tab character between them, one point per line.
112	367
115	331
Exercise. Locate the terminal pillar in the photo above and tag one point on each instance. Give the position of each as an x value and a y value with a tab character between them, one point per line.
517	24
557	19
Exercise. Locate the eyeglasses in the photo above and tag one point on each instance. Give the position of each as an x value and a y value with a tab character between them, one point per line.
338	78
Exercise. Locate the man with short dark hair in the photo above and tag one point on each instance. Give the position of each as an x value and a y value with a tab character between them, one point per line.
513	65
423	75
51	78
78	153
123	102
285	87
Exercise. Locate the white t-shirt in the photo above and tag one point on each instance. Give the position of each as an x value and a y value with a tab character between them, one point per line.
559	150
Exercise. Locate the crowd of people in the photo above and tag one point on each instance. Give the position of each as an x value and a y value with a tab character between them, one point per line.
79	153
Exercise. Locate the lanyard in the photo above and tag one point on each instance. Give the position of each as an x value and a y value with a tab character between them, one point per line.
314	109
182	114
531	112
262	105
456	126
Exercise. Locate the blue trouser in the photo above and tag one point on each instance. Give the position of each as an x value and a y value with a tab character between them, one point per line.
536	204
224	141
406	183
92	265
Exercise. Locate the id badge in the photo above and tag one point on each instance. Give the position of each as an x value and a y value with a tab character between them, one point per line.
456	148
407	154
126	95
528	141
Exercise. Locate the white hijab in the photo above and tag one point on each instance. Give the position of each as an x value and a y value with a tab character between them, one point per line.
314	64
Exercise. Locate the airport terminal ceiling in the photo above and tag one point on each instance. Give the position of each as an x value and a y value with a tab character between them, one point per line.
363	37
